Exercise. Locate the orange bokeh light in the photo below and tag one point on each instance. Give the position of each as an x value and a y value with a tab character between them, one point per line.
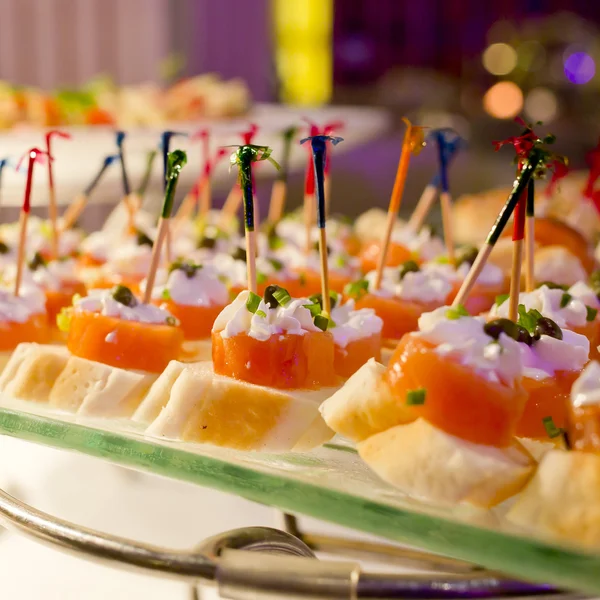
504	100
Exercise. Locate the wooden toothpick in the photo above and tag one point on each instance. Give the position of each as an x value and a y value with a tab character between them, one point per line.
279	190
243	157
530	238
52	206
175	162
412	144
76	207
319	159
33	155
520	185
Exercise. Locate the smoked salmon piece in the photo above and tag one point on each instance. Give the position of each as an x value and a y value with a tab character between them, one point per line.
124	344
13	333
195	321
285	361
57	300
397	255
457	400
399	316
350	359
546	398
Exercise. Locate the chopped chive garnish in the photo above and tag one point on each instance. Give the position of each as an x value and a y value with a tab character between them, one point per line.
340	262
456	312
260	278
322	322
165	294
276	264
282	296
170	320
501	299
314	308
253	302
551	429
260	313
565	299
302	279
357	288
63	319
416	397
590	313
553	286
528	318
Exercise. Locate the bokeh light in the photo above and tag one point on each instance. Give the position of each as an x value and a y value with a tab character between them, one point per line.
541	104
499	59
579	67
504	100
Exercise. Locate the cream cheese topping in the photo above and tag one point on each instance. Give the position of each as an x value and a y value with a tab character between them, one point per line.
586	389
352	325
548	302
465	341
236	319
203	288
102	301
432	283
19	309
423	243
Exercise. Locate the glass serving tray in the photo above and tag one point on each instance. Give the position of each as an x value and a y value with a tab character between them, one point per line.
330	483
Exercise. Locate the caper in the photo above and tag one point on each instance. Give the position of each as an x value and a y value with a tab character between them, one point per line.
410	266
239	254
123	295
316	247
269	296
36	262
497	326
4	249
318	299
546	326
553	286
142	239
207	242
467	255
524	336
187	267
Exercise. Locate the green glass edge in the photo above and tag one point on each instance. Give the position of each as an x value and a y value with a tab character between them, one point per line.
516	556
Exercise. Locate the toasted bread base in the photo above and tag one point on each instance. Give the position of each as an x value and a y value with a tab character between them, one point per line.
95	389
426	462
198	405
364	405
31	370
563	498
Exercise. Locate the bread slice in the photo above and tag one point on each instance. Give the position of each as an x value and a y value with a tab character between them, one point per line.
208	408
92	388
424	461
563	498
32	370
159	394
364	405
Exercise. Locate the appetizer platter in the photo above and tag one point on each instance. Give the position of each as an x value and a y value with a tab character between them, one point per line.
373	374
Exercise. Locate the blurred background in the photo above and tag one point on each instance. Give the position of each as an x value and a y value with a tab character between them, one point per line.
469	65
91	66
